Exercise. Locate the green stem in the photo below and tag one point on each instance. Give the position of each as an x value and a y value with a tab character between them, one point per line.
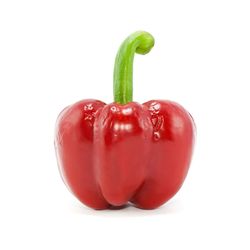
140	42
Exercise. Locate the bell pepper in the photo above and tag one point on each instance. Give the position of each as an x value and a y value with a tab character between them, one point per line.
124	152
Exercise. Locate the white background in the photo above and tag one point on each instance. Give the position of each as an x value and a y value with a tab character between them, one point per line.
54	53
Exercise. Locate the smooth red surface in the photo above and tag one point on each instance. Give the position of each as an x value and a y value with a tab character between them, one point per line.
110	155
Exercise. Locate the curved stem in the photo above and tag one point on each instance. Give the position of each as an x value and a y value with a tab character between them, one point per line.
139	42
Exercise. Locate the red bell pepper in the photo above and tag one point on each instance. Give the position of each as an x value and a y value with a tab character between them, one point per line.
112	154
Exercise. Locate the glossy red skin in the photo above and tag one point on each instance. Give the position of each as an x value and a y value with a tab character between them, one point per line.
109	155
